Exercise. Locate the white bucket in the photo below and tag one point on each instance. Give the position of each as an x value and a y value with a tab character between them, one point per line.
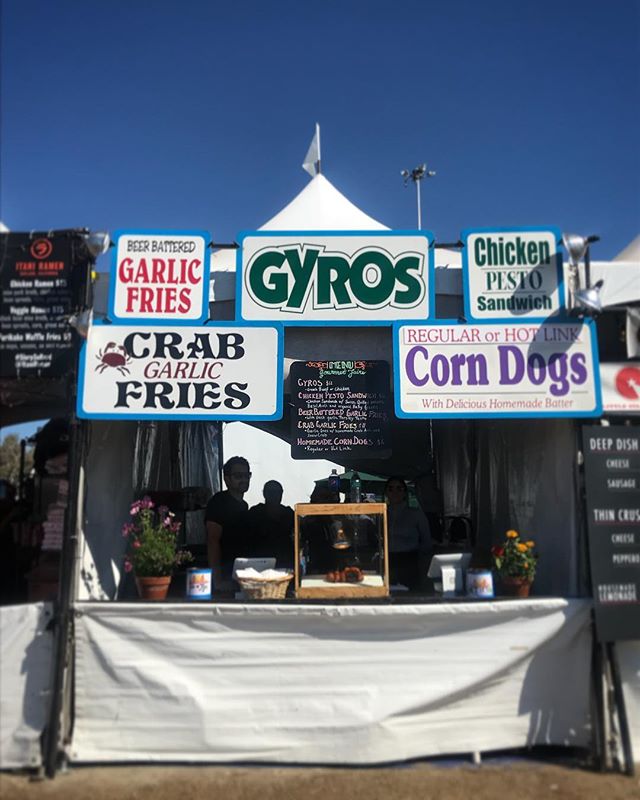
479	583
198	584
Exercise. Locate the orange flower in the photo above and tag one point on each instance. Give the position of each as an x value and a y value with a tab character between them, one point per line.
522	548
530	544
512	534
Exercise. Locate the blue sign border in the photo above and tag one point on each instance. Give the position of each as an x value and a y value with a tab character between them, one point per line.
177	417
560	314
400	414
331	321
159	320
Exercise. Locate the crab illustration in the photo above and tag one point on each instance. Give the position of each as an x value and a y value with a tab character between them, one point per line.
115	356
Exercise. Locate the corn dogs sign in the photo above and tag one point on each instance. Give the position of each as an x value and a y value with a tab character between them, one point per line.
497	370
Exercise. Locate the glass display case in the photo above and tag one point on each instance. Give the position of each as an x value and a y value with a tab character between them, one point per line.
341	550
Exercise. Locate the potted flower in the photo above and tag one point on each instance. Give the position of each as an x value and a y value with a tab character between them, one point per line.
152	553
515	562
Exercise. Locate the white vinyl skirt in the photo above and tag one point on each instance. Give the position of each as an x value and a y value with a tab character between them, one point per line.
25	674
327	684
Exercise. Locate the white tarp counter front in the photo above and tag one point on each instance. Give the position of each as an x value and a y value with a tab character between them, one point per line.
25	674
328	684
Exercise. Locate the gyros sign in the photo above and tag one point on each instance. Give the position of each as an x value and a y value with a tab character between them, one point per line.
497	370
339	278
160	277
226	371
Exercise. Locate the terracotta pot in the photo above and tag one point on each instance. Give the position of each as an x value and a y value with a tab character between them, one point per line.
515	587
153	588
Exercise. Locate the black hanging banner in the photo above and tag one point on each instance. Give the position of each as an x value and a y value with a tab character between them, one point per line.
612	481
40	287
340	409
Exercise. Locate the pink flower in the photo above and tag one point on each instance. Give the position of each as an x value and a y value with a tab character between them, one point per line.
127	528
128	566
136	544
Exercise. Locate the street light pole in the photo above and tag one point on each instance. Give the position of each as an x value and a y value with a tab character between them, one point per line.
416	175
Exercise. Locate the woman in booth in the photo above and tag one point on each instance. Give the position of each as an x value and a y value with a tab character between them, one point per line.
409	537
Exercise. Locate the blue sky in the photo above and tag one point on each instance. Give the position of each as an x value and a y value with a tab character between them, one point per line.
193	114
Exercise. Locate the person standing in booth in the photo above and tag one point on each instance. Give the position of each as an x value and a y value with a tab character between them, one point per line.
409	537
227	521
272	526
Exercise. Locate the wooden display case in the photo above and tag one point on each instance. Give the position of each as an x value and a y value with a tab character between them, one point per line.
332	538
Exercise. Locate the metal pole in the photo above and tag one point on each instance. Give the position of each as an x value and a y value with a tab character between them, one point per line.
419	208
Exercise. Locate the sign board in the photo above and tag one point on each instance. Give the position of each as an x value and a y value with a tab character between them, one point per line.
40	287
496	370
336	278
224	371
512	273
340	408
159	277
621	387
612	482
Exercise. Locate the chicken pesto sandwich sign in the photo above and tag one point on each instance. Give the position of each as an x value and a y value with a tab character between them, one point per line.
223	371
335	278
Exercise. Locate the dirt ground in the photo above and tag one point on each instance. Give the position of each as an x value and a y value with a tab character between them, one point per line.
517	781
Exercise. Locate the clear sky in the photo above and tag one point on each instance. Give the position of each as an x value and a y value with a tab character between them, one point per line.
197	114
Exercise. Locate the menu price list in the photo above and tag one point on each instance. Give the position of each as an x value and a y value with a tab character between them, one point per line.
37	285
340	408
612	482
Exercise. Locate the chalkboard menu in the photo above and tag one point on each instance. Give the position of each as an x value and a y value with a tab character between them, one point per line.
612	478
39	287
340	409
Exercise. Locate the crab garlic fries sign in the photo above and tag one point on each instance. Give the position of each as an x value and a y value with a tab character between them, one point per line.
160	277
497	370
225	371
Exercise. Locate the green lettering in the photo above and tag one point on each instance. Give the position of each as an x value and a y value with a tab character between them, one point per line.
301	272
275	292
372	294
333	274
413	289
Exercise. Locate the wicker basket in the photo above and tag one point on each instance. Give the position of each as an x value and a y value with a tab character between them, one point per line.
256	589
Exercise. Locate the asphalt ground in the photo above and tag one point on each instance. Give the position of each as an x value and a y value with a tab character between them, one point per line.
493	780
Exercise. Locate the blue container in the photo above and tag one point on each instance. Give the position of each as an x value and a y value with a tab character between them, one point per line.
479	583
198	584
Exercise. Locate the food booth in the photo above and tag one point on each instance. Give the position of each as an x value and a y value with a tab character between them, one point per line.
332	679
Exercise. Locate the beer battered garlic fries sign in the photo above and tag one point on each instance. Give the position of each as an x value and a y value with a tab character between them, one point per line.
224	371
497	370
515	273
160	277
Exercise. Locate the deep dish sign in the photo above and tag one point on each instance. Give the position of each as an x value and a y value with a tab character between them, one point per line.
338	278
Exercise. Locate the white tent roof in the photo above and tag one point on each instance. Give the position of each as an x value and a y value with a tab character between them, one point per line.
320	206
